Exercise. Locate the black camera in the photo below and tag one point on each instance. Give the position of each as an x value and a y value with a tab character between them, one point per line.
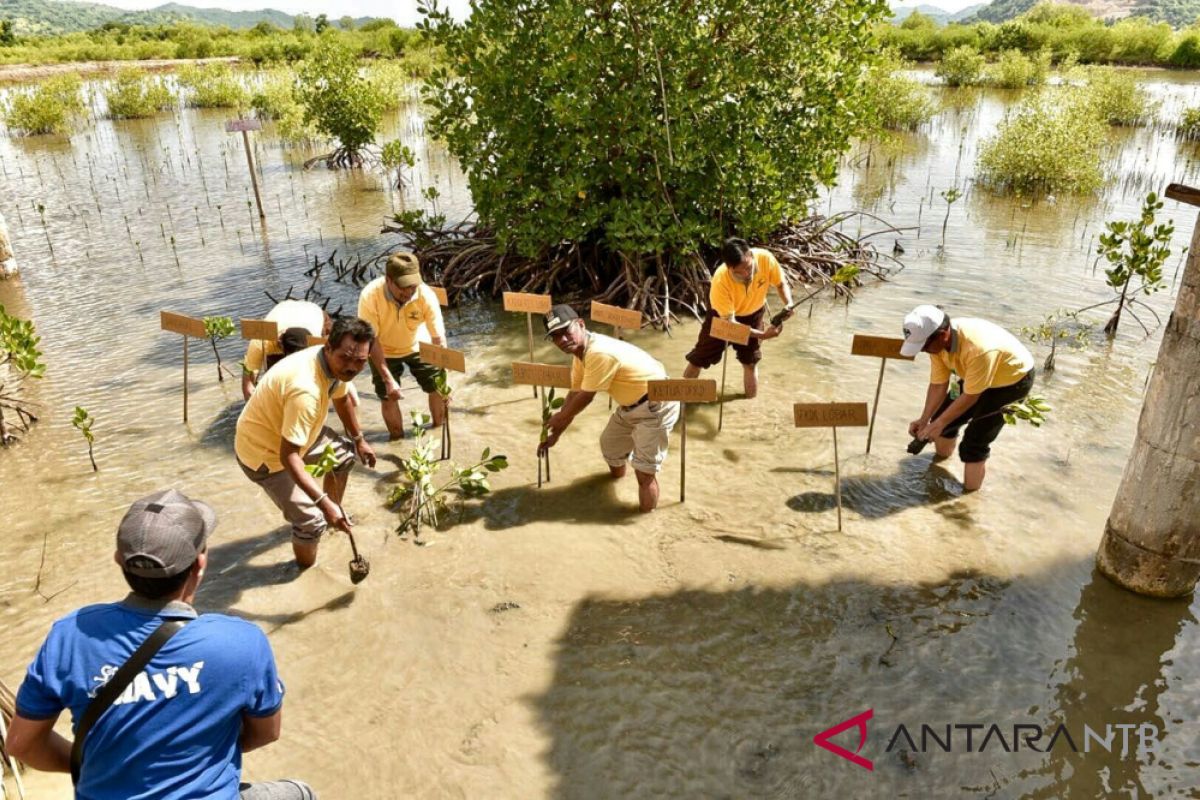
917	445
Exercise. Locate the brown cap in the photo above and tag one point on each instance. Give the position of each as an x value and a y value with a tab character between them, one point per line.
162	534
404	269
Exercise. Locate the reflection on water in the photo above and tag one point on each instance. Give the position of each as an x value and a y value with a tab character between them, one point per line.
695	652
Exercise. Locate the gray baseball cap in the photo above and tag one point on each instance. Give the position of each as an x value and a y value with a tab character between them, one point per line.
162	534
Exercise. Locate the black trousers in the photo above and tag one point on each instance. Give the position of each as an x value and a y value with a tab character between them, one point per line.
983	420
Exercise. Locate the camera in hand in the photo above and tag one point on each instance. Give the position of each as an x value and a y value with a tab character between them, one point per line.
917	445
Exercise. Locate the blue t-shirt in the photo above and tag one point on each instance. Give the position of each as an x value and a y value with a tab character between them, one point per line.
173	733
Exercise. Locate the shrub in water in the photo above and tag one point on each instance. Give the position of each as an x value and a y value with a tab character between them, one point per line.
1046	144
135	95
896	102
213	86
1117	98
1015	70
962	66
53	107
1189	124
276	100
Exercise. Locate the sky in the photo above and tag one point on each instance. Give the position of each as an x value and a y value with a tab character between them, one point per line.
403	11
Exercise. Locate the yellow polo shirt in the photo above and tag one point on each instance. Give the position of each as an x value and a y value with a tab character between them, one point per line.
288	314
291	402
401	329
983	354
615	366
728	296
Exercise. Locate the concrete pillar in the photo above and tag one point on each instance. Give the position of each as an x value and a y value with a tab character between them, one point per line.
1151	543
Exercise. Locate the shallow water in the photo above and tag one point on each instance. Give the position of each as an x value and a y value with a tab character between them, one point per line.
692	653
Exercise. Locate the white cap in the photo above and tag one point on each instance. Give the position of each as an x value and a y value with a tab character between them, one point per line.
919	325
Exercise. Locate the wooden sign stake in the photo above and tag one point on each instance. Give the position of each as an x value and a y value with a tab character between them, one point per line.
529	326
683	391
186	327
883	348
551	375
530	304
727	331
832	416
245	126
619	318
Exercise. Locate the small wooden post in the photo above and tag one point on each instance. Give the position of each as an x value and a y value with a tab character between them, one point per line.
683	391
726	331
245	126
444	358
832	416
883	348
541	375
186	327
529	304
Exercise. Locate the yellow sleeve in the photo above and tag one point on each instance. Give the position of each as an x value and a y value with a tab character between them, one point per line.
301	410
433	314
576	374
366	310
599	369
774	272
340	391
938	371
981	372
720	299
254	355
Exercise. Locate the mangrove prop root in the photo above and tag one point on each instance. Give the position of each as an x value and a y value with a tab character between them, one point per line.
465	258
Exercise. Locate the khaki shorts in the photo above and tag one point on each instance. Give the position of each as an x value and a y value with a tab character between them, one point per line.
308	523
642	432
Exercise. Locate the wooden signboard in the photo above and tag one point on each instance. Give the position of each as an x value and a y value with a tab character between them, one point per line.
244	126
315	340
532	374
239	125
186	327
830	415
263	329
616	316
883	348
684	391
440	293
734	332
527	303
443	357
833	416
877	346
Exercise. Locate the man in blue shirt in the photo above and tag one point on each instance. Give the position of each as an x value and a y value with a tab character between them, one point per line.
179	729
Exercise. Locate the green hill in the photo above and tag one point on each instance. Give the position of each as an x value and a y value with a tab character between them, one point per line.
52	16
1179	13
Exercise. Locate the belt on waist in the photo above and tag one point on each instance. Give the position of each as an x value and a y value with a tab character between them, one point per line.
632	406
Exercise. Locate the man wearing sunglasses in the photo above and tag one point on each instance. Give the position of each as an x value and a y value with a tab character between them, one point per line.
282	428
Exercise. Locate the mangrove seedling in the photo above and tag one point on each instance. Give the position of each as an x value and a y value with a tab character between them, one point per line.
218	328
396	156
950	196
550	404
83	423
418	499
1062	325
326	464
20	358
1032	409
1136	249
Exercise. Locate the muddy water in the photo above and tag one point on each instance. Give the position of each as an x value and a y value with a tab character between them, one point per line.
553	643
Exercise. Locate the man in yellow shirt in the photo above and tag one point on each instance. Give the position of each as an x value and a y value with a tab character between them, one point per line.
282	428
738	292
638	427
288	315
994	370
404	312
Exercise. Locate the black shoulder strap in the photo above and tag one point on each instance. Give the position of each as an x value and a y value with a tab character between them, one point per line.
112	690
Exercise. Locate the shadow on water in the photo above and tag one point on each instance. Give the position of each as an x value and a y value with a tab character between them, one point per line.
230	576
590	500
917	482
708	694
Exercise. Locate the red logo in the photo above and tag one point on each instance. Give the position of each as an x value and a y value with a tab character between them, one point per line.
858	721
